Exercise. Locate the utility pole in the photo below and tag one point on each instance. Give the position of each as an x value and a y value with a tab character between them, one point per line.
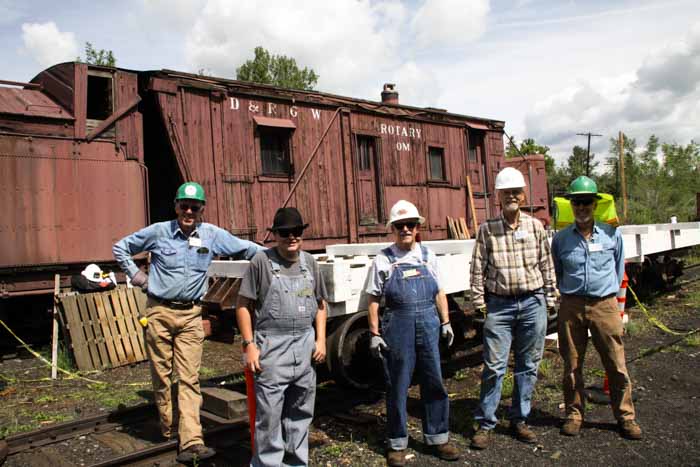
623	182
588	153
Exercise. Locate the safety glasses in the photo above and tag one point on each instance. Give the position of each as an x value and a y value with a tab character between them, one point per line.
401	225
295	231
582	201
190	207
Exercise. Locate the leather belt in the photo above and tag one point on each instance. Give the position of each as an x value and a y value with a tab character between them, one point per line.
175	304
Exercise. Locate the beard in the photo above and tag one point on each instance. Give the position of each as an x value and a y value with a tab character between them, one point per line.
584	219
510	208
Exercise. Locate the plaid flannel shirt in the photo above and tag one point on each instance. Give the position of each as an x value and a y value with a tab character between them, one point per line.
506	263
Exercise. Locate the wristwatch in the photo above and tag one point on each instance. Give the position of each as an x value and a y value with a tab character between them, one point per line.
245	343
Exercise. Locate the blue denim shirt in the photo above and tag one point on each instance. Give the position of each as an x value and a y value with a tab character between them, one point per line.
178	270
594	268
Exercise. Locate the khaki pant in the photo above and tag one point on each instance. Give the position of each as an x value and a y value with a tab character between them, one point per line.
578	315
175	337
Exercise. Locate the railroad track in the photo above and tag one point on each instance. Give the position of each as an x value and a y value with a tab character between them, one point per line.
130	437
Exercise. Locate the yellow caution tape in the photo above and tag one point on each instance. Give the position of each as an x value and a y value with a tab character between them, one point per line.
48	363
653	319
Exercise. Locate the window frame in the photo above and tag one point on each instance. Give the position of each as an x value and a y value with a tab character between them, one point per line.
445	174
261	132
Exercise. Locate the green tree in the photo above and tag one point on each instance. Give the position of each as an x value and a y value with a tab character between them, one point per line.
278	70
100	57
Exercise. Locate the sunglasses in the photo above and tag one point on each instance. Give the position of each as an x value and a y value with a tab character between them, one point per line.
401	225
295	231
582	202
190	207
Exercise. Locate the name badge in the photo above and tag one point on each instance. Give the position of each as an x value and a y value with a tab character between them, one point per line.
520	234
302	309
195	242
593	247
411	273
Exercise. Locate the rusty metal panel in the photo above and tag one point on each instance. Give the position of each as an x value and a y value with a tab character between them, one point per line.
533	169
130	126
58	82
67	209
30	103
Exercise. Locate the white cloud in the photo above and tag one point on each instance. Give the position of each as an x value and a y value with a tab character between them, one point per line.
47	45
450	22
662	98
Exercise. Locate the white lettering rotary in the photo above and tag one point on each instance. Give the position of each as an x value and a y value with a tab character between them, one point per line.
190	190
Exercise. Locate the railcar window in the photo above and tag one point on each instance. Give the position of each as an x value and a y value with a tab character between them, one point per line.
366	151
274	150
100	103
436	157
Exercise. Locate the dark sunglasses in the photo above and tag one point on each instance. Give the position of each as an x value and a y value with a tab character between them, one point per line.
582	202
191	207
296	231
401	225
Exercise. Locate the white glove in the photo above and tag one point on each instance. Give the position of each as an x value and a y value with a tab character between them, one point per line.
447	333
377	346
140	279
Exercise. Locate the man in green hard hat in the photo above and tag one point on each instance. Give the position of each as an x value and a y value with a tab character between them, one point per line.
181	252
590	264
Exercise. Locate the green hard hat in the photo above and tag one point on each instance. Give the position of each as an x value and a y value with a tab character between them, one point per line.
191	190
583	186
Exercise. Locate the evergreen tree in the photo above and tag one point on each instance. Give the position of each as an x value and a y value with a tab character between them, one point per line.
100	57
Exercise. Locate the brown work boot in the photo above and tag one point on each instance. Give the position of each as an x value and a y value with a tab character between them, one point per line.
195	453
523	433
481	439
630	429
571	427
446	452
395	458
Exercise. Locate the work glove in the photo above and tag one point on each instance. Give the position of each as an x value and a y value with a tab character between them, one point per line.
447	333
140	279
377	346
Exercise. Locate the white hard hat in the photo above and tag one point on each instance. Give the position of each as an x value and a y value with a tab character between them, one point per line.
404	210
93	273
509	178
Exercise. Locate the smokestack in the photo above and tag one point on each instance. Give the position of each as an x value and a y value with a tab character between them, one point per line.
390	95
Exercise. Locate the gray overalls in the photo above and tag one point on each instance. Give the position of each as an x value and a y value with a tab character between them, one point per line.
285	389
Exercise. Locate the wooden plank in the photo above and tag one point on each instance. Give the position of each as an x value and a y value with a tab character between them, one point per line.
105	322
75	330
132	324
54	330
91	337
100	340
475	221
465	229
136	298
112	299
103	300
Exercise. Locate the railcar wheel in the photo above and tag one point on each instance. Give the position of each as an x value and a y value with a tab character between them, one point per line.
349	360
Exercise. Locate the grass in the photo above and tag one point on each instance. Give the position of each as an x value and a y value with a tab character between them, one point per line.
13	428
205	372
545	368
45	400
692	341
461	374
507	388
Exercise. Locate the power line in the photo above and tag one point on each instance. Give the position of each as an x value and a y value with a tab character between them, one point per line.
588	153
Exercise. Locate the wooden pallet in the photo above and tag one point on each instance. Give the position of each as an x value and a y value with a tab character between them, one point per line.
457	228
103	327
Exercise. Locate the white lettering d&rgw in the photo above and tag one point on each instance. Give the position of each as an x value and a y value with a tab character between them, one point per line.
235	104
271	108
316	113
293	111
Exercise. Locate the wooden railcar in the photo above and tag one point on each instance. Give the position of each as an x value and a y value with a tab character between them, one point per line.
89	154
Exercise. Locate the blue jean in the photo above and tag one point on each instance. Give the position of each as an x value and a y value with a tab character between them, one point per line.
521	322
413	338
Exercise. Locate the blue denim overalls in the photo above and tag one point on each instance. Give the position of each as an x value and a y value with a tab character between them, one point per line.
285	389
411	329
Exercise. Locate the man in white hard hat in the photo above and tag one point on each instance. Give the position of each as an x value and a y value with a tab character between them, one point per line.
512	285
415	317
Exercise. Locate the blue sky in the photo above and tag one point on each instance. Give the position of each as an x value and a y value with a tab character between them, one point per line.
550	69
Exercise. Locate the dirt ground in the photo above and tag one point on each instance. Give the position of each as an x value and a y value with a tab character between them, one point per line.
663	367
